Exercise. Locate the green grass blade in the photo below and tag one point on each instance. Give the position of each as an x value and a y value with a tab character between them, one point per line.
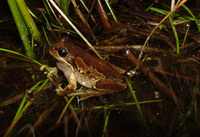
21	26
185	37
65	7
161	11
165	12
19	54
17	119
34	16
45	34
106	124
175	34
42	86
137	104
65	108
190	12
22	108
124	104
111	11
24	100
47	22
71	31
48	11
29	21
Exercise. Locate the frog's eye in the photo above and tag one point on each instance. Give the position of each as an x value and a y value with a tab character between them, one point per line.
63	52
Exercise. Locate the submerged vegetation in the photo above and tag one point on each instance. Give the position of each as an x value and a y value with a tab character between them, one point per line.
154	44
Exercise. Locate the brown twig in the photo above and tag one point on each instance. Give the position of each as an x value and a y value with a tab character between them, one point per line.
43	116
175	75
66	119
86	8
150	17
160	35
83	19
167	16
74	27
73	113
91	8
103	16
153	78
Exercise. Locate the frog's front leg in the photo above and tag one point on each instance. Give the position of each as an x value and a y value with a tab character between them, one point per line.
71	87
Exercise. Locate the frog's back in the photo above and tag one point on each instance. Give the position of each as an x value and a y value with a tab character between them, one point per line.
83	59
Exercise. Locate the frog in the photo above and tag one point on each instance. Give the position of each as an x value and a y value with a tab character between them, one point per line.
86	69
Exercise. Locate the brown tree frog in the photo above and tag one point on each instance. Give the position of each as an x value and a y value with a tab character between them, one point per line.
85	69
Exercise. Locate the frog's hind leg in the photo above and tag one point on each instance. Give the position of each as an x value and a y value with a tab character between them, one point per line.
100	87
109	85
88	93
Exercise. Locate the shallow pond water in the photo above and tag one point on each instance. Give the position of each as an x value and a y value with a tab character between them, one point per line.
166	84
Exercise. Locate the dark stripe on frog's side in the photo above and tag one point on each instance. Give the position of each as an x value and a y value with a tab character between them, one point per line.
101	65
89	70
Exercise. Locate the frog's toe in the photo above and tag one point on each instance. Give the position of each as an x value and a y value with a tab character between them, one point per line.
53	70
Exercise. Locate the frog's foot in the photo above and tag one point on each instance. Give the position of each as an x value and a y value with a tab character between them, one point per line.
69	89
59	89
42	67
53	70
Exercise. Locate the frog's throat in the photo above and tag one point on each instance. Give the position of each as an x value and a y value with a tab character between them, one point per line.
64	62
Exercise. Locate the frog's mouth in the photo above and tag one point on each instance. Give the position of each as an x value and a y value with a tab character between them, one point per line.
53	51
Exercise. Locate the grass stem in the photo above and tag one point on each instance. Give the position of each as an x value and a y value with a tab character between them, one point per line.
21	26
190	12
64	7
29	21
137	105
106	124
65	108
111	11
175	34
